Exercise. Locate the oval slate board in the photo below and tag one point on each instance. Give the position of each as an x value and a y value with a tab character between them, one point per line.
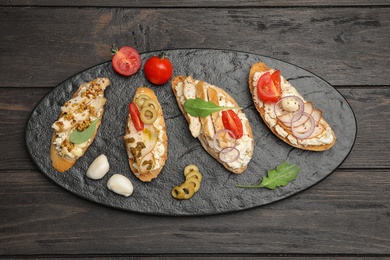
218	193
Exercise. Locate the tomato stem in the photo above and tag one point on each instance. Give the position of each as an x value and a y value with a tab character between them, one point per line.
162	55
114	49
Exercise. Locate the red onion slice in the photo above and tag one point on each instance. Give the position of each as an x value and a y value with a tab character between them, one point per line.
285	116
229	154
230	135
306	132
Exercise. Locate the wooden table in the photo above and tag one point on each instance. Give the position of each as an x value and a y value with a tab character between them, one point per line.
344	42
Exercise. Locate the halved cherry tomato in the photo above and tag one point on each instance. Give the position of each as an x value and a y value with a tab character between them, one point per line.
126	61
232	122
268	87
158	69
135	117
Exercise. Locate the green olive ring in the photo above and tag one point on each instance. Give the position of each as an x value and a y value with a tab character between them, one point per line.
151	103
188	189
191	185
148	115
177	192
184	191
189	168
141	100
195	182
194	174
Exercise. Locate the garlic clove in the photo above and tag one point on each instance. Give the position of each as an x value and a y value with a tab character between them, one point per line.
98	168
120	185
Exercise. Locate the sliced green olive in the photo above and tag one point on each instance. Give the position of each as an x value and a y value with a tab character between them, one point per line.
151	103
188	189
194	181
178	193
148	115
183	192
141	100
194	174
189	168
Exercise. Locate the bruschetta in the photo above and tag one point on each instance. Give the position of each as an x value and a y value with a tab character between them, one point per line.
146	137
225	133
77	125
286	112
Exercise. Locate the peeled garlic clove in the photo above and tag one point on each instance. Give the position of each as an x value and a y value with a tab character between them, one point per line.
98	168
120	185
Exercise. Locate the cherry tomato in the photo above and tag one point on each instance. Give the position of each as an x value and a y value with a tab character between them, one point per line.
268	87
232	122
158	69
135	117
126	61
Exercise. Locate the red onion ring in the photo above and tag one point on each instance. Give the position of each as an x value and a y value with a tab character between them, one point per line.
279	111
306	133
215	138
228	150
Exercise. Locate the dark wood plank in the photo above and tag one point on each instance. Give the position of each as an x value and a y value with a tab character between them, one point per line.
370	150
372	111
347	213
200	3
40	48
16	106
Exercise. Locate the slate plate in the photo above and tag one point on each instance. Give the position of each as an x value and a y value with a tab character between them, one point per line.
218	193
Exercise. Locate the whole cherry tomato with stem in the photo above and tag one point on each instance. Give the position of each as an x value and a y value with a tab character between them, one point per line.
158	69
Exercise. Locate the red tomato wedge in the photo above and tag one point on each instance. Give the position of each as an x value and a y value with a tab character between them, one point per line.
135	117
232	122
126	61
268	87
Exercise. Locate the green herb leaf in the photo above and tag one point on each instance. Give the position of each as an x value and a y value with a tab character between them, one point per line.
279	177
202	108
78	137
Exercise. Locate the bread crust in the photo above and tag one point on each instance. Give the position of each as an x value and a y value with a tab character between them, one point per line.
261	67
149	176
61	163
217	124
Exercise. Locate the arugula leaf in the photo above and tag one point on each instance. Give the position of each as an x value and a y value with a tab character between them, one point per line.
78	137
202	108
279	177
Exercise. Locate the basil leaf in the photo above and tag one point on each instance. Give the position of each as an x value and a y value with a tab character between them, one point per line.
78	137
202	108
279	177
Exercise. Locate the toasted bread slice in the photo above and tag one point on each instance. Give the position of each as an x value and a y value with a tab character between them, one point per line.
205	128
85	106
147	149
323	136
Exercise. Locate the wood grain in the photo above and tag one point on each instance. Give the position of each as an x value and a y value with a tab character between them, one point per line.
200	3
318	218
341	45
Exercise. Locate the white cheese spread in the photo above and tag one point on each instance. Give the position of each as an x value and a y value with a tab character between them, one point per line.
78	113
152	138
288	90
186	90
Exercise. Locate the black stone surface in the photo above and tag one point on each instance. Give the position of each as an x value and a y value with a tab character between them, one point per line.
218	193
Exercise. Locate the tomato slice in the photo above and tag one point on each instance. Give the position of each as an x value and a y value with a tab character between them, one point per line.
268	87
126	61
135	117
232	122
